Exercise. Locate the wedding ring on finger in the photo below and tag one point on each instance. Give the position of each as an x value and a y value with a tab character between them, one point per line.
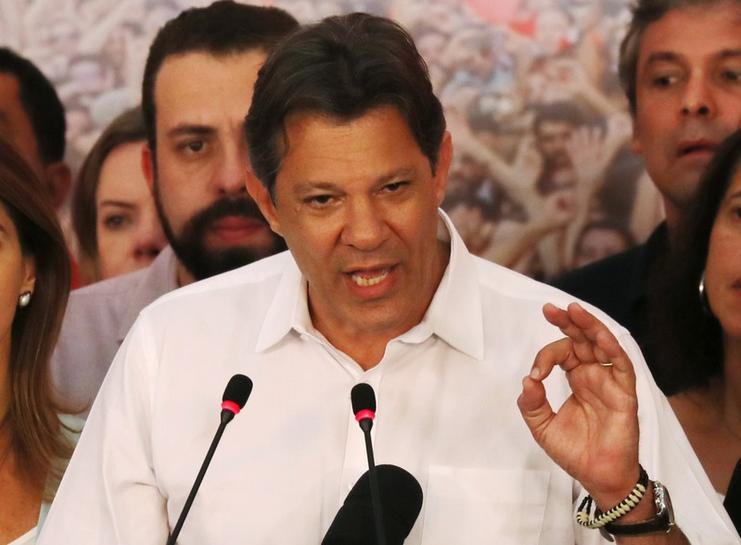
606	364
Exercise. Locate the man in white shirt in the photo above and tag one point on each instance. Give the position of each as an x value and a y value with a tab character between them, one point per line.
349	145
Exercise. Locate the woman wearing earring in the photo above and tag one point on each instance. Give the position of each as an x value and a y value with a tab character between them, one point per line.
698	320
35	442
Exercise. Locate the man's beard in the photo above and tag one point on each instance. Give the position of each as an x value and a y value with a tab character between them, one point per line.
190	245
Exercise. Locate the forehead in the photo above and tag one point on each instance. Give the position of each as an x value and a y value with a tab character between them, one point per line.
14	121
694	33
552	126
325	149
197	87
121	174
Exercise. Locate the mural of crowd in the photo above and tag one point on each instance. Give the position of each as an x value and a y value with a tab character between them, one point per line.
543	179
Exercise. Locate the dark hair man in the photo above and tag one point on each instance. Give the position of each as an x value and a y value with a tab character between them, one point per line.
680	66
32	119
196	91
349	145
553	126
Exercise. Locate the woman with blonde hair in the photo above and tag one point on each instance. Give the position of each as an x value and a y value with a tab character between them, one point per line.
113	212
35	441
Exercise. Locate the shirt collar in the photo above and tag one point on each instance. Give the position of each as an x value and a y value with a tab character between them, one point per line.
454	314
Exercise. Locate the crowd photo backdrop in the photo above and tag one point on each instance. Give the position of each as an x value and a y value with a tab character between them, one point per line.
543	179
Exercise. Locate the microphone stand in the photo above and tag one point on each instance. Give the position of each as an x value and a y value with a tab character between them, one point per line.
226	417
366	425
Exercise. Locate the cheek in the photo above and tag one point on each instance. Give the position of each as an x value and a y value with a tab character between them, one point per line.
718	267
114	246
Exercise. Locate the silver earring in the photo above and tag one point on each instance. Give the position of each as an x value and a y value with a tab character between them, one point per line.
703	296
24	299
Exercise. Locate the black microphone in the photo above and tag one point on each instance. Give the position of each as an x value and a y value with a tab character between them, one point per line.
732	503
401	497
235	396
364	407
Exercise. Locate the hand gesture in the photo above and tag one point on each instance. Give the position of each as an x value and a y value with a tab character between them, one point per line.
528	163
594	435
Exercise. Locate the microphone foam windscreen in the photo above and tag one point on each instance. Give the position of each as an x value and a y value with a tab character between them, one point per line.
401	501
363	398
238	390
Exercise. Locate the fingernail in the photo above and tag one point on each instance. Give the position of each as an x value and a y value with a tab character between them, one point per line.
535	373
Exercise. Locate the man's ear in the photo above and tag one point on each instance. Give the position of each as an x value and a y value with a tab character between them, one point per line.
148	166
444	158
264	200
58	179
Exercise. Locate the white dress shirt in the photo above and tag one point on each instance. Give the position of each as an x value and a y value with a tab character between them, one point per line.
447	413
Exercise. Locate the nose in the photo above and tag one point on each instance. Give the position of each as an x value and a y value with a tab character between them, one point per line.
698	98
150	238
365	228
230	174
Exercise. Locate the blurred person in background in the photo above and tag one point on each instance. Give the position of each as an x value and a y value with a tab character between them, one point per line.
697	313
113	212
35	441
32	119
600	239
196	91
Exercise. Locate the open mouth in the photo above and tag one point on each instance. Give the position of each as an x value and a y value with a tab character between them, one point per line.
369	278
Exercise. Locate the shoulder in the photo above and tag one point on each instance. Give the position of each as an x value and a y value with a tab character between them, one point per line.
517	291
611	268
250	281
111	289
611	282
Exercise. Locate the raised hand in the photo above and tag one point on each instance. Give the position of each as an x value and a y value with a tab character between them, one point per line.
594	435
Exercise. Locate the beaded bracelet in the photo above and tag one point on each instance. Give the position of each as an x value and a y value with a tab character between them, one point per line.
611	515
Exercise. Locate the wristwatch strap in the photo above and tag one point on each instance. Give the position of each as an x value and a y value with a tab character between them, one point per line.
661	522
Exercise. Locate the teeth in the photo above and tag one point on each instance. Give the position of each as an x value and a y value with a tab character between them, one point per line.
365	281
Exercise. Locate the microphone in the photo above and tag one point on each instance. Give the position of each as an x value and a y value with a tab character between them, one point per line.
236	393
364	407
401	496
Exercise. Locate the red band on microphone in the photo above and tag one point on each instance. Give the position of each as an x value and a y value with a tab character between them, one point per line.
230	406
365	413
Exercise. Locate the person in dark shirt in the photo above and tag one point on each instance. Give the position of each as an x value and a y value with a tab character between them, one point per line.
678	66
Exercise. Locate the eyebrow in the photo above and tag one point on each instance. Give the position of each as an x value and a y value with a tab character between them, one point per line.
669	56
113	202
187	129
307	186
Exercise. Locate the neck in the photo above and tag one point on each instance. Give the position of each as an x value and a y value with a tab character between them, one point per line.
673	219
183	276
4	376
731	389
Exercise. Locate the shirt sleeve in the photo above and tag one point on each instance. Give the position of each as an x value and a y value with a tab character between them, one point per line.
109	493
